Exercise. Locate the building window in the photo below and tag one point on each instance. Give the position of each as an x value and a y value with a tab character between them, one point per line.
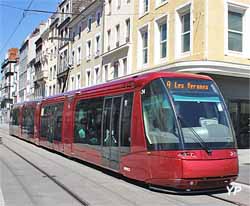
50	90
54	76
78	81
116	69
89	23
125	66
161	37
98	18
51	54
55	54
144	45
79	31
163	40
109	7
62	14
88	78
183	30
118	4
54	89
108	39
67	8
235	31
145	6
88	50
65	56
127	30
73	58
106	73
118	35
79	55
50	73
72	83
97	75
97	45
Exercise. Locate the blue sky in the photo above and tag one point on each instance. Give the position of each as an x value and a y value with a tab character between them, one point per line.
10	17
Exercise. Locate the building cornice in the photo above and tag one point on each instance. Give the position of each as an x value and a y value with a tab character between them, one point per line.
211	67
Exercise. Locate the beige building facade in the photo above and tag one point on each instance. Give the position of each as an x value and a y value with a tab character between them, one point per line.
209	37
86	47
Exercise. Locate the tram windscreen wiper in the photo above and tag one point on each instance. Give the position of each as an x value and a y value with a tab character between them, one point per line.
198	137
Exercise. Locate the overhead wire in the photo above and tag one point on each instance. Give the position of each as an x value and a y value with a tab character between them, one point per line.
69	13
18	24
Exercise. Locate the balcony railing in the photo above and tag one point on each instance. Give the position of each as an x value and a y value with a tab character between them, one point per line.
62	68
38	58
9	71
40	75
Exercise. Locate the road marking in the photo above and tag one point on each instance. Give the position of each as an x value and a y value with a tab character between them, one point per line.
2	203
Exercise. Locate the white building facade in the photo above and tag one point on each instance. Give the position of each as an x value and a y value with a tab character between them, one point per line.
117	44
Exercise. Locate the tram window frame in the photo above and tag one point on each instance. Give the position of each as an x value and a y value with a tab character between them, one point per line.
52	128
88	112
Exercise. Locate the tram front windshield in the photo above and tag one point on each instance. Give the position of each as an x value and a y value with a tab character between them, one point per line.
200	114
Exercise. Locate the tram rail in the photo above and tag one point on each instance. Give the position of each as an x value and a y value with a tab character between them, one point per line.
51	177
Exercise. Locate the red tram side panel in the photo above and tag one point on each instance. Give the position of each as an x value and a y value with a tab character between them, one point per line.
166	129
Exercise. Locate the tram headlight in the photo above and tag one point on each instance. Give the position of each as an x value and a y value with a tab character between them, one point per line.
187	155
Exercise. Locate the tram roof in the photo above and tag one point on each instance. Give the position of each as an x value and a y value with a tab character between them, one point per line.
129	81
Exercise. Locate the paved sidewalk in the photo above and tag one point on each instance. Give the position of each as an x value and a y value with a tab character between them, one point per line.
244	166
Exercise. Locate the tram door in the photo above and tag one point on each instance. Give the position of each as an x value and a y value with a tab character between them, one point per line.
111	132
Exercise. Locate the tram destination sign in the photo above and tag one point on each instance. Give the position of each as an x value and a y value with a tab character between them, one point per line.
187	84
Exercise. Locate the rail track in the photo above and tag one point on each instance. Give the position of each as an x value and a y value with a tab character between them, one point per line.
51	177
229	201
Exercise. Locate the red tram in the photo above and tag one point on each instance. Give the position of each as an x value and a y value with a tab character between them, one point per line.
165	129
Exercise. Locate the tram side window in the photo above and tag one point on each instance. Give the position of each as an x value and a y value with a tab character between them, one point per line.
15	114
28	120
58	114
126	120
51	121
88	118
46	122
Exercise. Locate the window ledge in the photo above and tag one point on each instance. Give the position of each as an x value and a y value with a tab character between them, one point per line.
144	66
161	60
157	6
235	54
143	15
183	55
